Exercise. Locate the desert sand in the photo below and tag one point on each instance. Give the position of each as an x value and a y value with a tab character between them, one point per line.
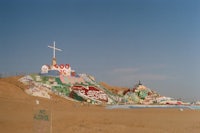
18	111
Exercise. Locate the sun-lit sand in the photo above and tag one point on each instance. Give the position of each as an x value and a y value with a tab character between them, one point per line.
17	111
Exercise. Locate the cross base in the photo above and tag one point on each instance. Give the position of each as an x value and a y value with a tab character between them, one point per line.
54	61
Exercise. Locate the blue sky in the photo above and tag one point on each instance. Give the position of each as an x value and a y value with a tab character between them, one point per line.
117	41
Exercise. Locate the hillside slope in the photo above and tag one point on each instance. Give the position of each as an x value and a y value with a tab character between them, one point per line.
12	88
114	89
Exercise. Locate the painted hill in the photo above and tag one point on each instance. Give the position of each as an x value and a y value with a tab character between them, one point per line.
81	88
84	88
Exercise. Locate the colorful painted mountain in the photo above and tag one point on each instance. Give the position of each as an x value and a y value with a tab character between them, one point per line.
81	87
65	82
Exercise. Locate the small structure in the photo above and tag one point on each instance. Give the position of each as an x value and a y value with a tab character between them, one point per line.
54	68
139	83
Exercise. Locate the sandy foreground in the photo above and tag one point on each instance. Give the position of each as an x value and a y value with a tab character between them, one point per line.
20	113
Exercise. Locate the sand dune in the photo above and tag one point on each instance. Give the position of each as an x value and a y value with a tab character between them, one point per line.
18	111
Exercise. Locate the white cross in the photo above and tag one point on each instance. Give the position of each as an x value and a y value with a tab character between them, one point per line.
54	49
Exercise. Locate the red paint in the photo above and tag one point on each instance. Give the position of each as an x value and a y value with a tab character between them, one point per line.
92	92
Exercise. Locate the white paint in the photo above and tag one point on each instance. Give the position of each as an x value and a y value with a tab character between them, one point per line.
54	49
44	69
37	102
